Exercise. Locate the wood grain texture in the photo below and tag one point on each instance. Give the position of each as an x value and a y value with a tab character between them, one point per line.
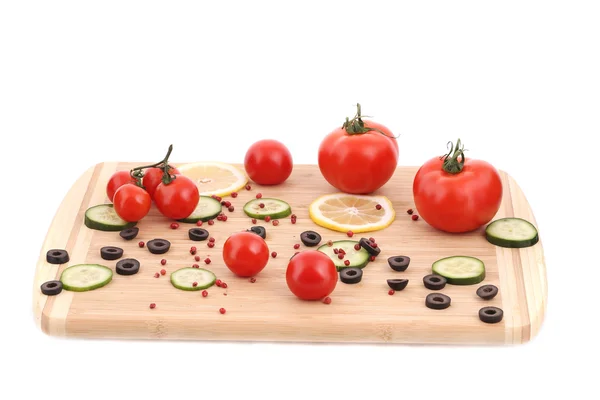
266	310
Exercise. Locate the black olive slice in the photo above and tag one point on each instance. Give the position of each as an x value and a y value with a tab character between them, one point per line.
487	292
111	252
51	288
259	230
491	315
351	275
128	266
437	301
198	234
434	282
57	256
158	246
399	263
397	284
129	233
310	238
368	246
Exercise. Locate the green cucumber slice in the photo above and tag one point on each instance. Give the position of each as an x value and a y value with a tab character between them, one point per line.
85	277
358	258
207	209
184	278
273	208
103	217
460	270
511	232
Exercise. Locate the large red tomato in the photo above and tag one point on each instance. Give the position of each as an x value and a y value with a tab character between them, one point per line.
153	177
311	275
131	202
117	180
457	194
245	253
360	157
268	162
177	199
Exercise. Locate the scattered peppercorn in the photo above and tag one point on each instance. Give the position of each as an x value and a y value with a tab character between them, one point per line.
274	254
163	261
152	305
234	194
174	225
327	300
222	310
409	211
163	271
204	293
141	244
415	217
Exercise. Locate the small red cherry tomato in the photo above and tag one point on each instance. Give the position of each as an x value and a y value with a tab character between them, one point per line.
117	180
153	177
245	254
131	202
178	199
268	162
311	275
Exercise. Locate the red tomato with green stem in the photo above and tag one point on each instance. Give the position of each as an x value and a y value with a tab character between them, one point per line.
457	194
117	180
245	254
131	202
360	157
268	162
176	197
311	275
153	177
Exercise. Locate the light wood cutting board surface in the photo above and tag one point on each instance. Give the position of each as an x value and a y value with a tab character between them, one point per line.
266	310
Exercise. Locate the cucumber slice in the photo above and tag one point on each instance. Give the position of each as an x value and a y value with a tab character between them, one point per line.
103	217
207	209
460	270
184	278
85	277
511	232
273	208
358	258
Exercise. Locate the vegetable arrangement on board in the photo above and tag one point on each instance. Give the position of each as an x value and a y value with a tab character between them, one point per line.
452	193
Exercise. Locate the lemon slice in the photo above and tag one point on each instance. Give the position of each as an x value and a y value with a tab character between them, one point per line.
345	212
214	178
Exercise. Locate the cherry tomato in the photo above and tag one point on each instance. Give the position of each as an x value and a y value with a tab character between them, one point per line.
457	200
245	253
153	177
354	159
117	180
131	202
268	162
311	275
178	199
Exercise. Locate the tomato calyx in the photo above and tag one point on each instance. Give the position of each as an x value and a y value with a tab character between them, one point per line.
356	125
137	173
452	164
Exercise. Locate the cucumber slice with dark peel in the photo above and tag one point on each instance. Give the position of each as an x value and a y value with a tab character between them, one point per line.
207	209
185	278
511	232
358	258
460	270
103	217
273	208
85	277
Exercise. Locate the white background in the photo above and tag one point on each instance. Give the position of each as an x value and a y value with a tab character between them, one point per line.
83	82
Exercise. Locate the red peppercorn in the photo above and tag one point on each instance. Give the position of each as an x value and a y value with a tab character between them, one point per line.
378	206
207	260
391	292
341	256
274	254
174	225
372	239
409	211
210	244
141	244
194	284
415	217
211	239
342	251
275	222
193	250
329	243
296	246
204	293
163	271
357	247
224	218
227	204
261	205
157	275
152	305
252	280
347	262
224	285
372	258
199	223
163	261
374	245
259	195
335	251
222	310
267	218
231	209
254	220
293	220
327	300
293	216
248	187
211	222
234	194
196	258
223	202
350	233
219	217
195	266
218	198
218	282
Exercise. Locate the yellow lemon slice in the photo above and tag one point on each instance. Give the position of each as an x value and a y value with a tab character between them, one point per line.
214	178
347	212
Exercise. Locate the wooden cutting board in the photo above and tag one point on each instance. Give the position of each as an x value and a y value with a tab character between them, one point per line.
266	310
